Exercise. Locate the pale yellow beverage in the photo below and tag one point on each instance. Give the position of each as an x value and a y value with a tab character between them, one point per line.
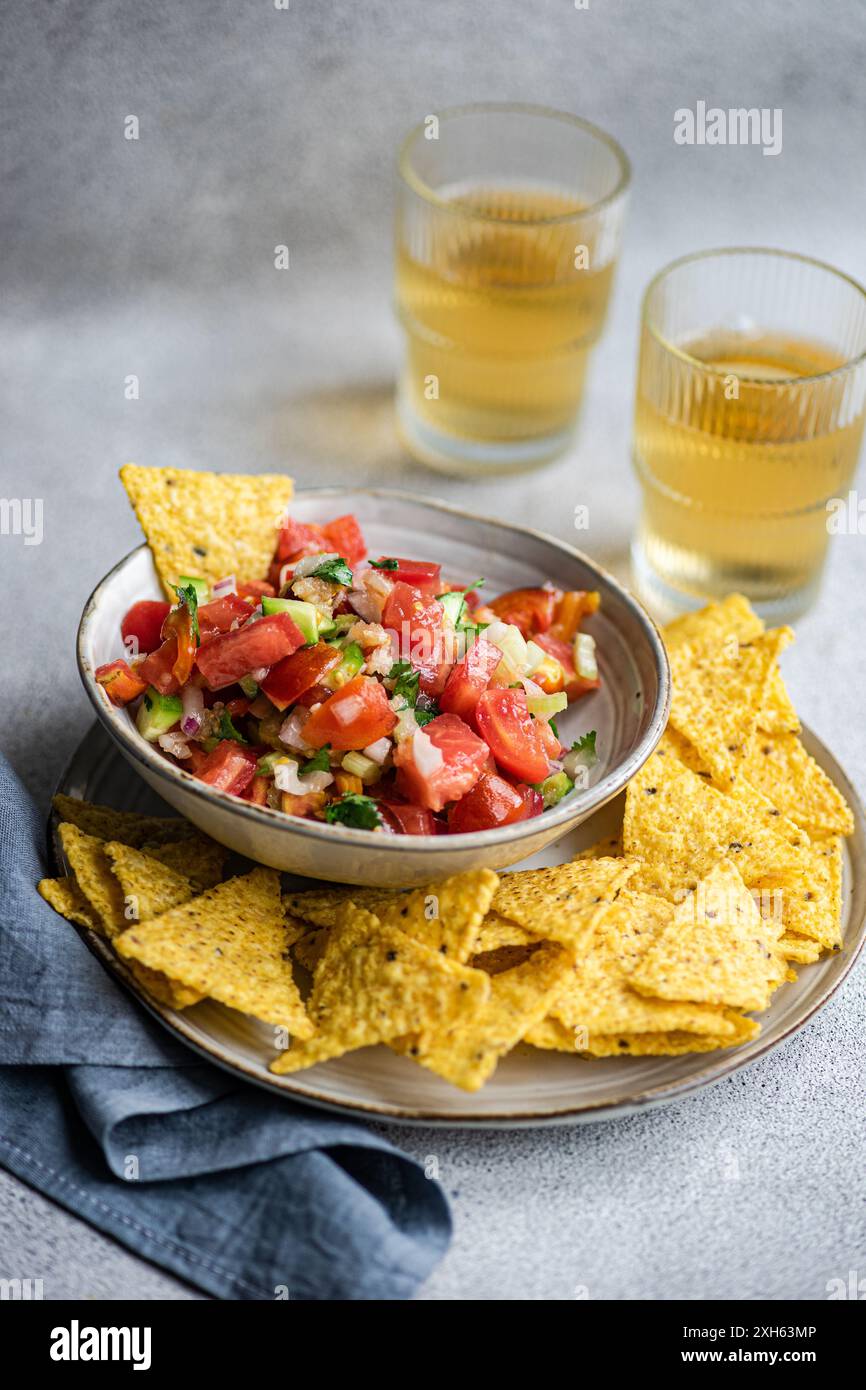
508	227
500	317
742	435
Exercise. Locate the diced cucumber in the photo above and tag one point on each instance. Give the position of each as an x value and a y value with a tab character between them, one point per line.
249	687
585	661
543	706
201	586
454	604
353	660
157	714
311	621
266	764
554	788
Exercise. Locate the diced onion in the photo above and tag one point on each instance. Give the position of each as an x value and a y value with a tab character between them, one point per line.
428	758
407	725
291	731
174	743
192	718
532	690
287	779
258	675
584	656
228	585
379	750
364	605
347	711
535	657
509	639
308	564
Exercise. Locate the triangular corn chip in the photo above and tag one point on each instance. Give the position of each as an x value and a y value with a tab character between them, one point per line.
716	949
717	696
229	944
467	1054
374	983
779	766
561	903
207	524
65	896
149	887
128	827
554	1036
778	715
597	996
715	626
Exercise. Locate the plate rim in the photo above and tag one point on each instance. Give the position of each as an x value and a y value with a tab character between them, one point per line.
649	1097
559	817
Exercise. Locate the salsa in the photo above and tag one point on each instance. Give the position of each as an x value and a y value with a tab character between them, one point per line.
367	692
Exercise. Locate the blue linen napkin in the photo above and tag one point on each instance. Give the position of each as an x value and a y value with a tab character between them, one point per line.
245	1195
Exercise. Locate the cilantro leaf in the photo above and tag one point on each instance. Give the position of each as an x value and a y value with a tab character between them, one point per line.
319	762
336	571
552	724
188	599
355	810
423	716
227	728
385	564
406	681
585	744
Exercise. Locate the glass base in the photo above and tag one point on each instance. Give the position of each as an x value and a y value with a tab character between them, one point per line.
666	602
450	454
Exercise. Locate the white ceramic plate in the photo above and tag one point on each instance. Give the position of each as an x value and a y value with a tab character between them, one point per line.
529	1088
629	712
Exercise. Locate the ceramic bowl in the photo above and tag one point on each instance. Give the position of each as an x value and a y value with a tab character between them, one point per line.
629	712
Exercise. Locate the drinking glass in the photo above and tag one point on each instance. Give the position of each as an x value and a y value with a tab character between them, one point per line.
508	228
749	417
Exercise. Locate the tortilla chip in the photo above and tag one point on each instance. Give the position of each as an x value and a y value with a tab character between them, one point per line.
309	948
715	625
561	903
716	949
610	848
229	944
207	524
373	984
199	859
497	931
779	766
503	957
149	887
680	826
90	864
445	916
467	1054
126	826
597	997
798	949
812	899
778	715
717	695
65	896
553	1036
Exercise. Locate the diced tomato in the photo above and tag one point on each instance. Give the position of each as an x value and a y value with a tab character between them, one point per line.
157	668
196	760
315	695
512	734
420	574
571	608
419	623
179	623
299	538
257	791
229	768
531	610
218	615
120	683
224	660
469	678
575	685
492	802
357	714
407	819
295	674
549	741
462	756
256	588
143	624
344	535
238	707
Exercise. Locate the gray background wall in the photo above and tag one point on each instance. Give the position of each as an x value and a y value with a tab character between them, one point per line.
155	257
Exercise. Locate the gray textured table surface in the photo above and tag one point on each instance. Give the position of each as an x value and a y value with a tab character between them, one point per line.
155	258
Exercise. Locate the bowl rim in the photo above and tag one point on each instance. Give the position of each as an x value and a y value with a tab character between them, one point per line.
595	796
